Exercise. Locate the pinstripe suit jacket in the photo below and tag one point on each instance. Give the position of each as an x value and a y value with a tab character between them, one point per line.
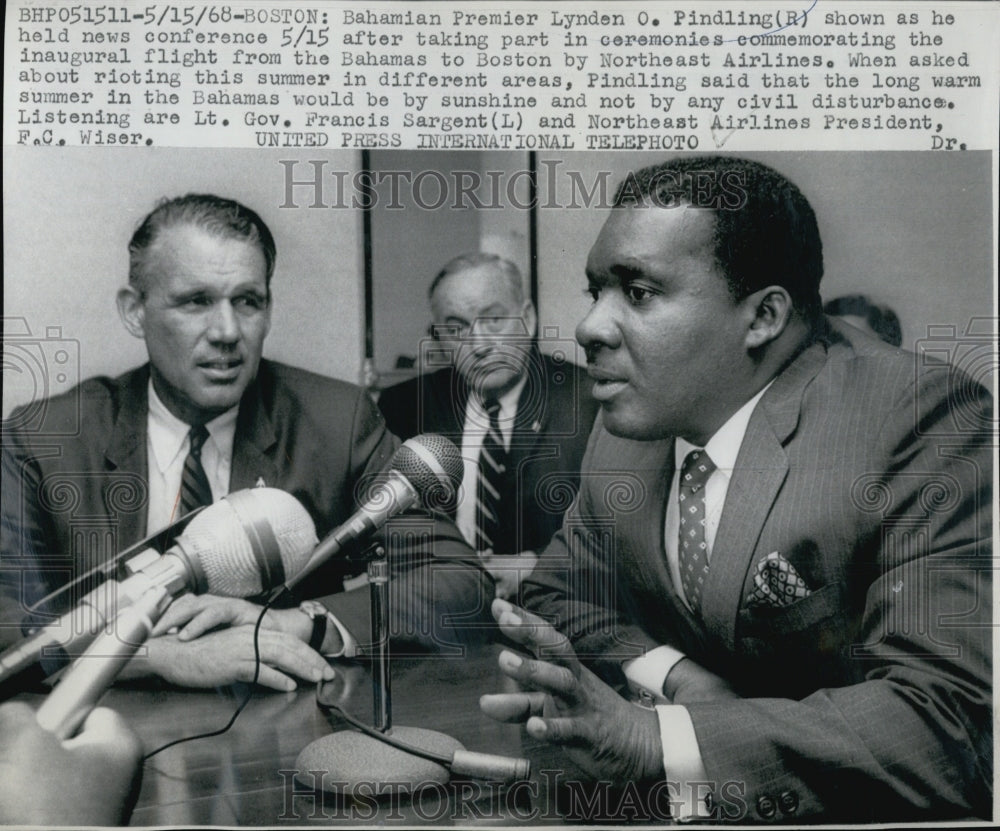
870	699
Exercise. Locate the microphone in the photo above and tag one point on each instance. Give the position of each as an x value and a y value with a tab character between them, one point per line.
426	468
66	707
241	545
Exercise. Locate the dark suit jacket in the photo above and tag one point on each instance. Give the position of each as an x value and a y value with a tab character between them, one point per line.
869	470
74	478
554	415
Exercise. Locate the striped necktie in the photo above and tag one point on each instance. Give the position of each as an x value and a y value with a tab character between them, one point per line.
692	549
492	465
195	489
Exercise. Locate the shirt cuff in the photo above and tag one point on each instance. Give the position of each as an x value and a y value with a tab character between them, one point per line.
683	763
647	674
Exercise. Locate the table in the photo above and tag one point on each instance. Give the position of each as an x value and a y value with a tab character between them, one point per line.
247	775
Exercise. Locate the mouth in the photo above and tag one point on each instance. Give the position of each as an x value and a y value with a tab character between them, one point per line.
222	369
606	384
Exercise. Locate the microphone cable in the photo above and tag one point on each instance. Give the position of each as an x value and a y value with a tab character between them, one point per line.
382	737
462	762
246	698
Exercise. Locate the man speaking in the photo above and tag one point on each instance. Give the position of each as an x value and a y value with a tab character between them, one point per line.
206	416
799	570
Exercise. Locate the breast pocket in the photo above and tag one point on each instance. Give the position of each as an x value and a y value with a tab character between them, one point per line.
790	651
821	605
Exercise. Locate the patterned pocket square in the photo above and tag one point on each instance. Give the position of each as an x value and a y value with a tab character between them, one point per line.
776	583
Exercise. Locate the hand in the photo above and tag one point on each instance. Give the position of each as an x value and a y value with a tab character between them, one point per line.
689	681
195	614
91	779
227	656
508	570
570	706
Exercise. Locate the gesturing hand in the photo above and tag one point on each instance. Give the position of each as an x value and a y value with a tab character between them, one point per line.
570	706
508	570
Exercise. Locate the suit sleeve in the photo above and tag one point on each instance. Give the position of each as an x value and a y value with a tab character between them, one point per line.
574	585
23	550
912	739
399	408
439	595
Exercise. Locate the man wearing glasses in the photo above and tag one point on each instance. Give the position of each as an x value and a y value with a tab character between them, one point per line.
521	418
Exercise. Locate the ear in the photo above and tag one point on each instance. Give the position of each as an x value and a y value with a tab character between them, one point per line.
132	310
530	317
770	310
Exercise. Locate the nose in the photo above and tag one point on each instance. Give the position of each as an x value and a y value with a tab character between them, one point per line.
223	326
599	327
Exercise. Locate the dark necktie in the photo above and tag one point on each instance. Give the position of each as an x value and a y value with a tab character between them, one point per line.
195	490
692	549
492	464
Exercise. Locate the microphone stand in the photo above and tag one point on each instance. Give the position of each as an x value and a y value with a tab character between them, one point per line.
407	759
378	585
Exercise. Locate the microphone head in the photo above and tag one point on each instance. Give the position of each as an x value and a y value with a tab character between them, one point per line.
433	465
249	541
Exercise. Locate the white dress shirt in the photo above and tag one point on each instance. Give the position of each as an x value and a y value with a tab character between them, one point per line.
474	428
167	445
681	755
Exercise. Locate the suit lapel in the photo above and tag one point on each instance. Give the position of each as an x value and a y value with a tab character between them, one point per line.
253	464
532	414
445	411
761	468
126	452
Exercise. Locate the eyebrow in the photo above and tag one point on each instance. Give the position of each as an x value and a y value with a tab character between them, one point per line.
626	273
620	272
208	288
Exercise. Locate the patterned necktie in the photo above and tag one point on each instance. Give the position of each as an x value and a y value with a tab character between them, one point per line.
492	464
692	550
195	490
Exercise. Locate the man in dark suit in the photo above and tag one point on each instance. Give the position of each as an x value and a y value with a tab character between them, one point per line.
783	534
92	471
484	335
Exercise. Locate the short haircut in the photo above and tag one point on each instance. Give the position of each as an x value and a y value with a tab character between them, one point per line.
506	268
765	229
883	320
224	218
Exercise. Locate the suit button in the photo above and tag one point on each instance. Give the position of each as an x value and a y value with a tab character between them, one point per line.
788	802
767	807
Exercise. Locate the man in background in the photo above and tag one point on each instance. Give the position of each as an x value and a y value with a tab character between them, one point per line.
521	418
859	311
802	581
205	416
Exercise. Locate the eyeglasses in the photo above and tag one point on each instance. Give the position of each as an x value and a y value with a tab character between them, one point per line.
481	326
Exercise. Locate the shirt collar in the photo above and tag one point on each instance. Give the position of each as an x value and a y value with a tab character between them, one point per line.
168	434
508	407
724	445
508	401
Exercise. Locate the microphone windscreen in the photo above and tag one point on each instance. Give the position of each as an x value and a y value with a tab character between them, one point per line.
433	465
248	540
354	762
